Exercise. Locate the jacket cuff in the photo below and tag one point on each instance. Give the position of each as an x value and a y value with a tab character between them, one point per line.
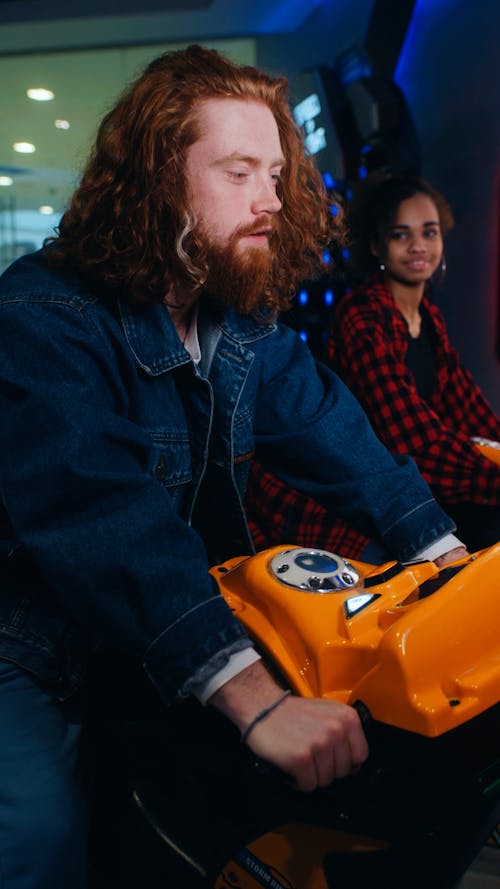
221	669
417	530
203	635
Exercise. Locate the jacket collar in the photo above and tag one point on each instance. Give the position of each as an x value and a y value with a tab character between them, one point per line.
155	344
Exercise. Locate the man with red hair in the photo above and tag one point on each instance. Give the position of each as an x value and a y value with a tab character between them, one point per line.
143	365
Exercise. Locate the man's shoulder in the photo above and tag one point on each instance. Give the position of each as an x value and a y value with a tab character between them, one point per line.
32	279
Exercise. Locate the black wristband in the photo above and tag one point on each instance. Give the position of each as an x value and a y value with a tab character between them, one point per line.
263	713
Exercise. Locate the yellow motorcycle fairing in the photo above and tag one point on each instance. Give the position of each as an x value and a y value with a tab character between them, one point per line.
419	646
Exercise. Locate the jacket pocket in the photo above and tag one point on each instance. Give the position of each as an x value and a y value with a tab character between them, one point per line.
243	441
171	460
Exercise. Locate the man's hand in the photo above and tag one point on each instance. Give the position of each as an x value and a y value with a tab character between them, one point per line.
311	739
460	552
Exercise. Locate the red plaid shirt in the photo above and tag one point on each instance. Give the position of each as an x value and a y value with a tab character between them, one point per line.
278	514
367	348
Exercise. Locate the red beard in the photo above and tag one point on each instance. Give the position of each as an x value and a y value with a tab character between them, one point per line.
240	277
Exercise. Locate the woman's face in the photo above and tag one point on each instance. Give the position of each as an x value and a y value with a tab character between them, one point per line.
413	245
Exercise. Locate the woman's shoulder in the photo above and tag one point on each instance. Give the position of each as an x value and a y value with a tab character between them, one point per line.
368	302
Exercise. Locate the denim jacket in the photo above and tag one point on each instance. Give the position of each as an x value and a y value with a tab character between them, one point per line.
123	465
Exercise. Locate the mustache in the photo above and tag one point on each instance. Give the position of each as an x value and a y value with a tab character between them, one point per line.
264	223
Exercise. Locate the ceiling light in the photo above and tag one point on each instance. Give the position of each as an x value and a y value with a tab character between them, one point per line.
62	124
46	210
6	180
24	147
39	94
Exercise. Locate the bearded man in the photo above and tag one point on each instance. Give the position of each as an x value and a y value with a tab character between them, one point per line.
142	366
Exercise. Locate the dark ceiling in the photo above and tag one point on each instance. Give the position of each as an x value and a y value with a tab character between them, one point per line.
39	10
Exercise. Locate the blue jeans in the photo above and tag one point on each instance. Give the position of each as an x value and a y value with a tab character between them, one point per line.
43	819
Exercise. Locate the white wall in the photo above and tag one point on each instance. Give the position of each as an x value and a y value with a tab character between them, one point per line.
22	232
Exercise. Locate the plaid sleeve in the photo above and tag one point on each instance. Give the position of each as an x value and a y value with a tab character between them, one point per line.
368	345
278	514
458	396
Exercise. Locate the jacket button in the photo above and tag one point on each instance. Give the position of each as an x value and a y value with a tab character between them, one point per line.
161	469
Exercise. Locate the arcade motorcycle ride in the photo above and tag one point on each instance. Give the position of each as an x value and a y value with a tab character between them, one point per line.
416	649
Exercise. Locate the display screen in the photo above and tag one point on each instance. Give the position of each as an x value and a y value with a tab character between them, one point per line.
313	101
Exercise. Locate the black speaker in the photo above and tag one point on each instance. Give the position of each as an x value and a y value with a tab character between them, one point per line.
381	132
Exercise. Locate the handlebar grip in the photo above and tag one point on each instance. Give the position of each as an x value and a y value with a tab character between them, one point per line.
365	717
268	771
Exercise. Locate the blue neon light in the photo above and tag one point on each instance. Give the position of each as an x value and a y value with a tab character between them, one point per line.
423	20
303	297
327	257
303	335
328	297
352	65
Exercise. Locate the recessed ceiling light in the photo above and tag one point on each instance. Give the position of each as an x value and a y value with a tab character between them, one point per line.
6	180
39	94
45	209
24	147
62	124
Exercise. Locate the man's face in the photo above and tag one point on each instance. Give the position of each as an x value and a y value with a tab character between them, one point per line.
233	170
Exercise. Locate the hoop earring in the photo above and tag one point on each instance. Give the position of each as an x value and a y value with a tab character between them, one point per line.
440	273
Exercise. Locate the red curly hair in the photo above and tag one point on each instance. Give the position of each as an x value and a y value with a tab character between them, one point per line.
129	223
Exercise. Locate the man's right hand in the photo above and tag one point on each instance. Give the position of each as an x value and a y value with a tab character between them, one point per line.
311	739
